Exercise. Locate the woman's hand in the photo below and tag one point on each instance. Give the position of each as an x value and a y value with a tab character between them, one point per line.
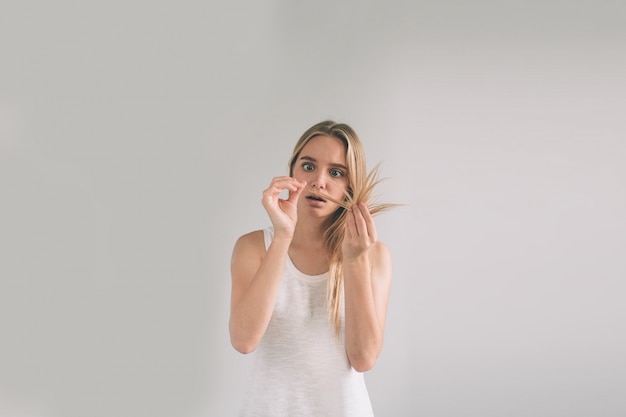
360	232
283	213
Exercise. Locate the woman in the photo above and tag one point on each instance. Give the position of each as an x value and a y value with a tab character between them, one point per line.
310	293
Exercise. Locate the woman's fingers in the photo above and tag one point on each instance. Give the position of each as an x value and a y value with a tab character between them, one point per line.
282	212
350	225
294	195
361	226
364	221
369	222
360	233
279	184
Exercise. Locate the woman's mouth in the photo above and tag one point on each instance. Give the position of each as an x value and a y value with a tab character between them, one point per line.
315	198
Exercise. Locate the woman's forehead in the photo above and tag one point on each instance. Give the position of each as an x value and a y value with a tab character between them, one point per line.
325	149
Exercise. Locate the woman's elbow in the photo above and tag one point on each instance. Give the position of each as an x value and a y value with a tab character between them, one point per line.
243	344
364	362
243	347
363	358
363	365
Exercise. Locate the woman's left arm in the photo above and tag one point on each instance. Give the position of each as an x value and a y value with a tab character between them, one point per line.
367	282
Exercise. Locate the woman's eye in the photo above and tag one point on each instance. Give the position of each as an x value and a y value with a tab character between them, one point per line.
307	167
336	173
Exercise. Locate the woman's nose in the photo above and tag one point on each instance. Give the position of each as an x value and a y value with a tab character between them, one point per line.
319	181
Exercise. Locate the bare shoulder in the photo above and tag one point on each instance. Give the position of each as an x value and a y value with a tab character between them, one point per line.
254	239
247	256
250	245
380	253
380	258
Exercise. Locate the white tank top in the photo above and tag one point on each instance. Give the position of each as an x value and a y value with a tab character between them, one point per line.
300	368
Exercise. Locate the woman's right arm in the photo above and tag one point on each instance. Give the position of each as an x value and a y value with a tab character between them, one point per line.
256	273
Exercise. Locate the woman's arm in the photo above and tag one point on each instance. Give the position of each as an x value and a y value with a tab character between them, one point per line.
255	282
367	283
255	273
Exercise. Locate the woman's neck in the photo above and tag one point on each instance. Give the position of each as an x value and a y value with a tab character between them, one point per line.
309	232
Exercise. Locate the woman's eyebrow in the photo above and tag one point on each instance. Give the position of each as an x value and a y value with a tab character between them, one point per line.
310	158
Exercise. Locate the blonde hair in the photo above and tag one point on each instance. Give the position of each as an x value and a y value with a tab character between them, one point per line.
359	190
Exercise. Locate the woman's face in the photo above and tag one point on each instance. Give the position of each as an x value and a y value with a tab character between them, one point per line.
322	164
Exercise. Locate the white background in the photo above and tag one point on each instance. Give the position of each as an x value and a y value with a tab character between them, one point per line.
136	138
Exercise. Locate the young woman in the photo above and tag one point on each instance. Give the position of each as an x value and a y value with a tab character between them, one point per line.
310	293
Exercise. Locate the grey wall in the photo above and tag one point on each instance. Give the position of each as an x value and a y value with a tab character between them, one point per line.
136	138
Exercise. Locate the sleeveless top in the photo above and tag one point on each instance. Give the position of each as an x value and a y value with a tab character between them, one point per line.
300	368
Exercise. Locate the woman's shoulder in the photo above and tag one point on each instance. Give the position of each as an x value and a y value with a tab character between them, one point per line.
380	256
248	251
379	249
254	239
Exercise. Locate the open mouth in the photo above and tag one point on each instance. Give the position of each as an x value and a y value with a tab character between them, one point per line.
315	198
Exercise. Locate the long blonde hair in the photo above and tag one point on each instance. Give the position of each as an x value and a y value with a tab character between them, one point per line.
359	190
